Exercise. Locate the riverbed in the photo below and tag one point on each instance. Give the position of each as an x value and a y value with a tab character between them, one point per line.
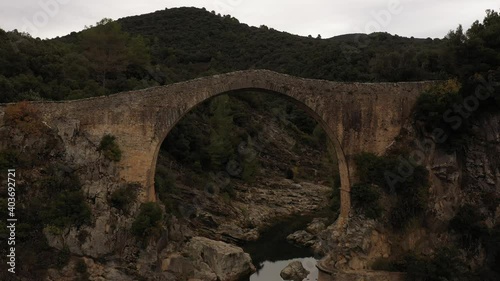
272	252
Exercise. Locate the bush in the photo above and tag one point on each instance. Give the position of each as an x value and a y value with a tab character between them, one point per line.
68	208
123	197
372	168
148	220
229	190
25	117
411	192
81	267
110	148
13	159
446	264
468	224
62	258
366	197
8	159
492	246
60	178
385	264
335	195
164	183
433	103
250	169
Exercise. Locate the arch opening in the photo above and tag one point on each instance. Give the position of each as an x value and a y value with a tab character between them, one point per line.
333	141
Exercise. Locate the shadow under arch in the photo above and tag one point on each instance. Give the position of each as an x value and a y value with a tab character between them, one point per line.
345	201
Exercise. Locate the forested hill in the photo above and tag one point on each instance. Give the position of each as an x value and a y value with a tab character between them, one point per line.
183	43
200	41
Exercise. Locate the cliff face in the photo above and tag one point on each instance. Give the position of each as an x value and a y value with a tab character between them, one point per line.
467	178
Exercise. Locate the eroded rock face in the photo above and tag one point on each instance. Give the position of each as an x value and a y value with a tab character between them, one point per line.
302	238
310	236
294	271
455	180
209	260
355	245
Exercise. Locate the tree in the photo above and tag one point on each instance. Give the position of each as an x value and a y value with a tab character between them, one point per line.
105	45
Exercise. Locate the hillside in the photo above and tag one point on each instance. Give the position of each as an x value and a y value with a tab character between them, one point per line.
184	43
206	43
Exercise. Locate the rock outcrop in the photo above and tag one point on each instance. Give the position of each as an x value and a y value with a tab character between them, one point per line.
294	271
209	260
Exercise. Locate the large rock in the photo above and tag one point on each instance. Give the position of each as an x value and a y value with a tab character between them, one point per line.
294	271
217	259
302	238
317	225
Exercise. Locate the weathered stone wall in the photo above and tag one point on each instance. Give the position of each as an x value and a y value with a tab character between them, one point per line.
357	117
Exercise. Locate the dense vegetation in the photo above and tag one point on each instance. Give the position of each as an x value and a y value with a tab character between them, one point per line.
178	44
375	174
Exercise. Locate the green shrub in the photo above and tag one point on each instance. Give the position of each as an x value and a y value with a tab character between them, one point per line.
25	117
411	192
8	159
366	197
335	203
446	264
164	184
60	178
468	224
81	267
62	258
433	103
492	245
335	195
148	221
385	264
68	208
226	198
372	168
110	148
229	190
14	159
123	197
250	170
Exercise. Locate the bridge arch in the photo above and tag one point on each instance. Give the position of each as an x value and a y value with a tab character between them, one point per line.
284	92
357	117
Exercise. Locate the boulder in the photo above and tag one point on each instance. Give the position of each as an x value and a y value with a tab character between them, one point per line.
225	261
294	271
302	238
317	226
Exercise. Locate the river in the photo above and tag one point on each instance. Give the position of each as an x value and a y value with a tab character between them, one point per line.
271	253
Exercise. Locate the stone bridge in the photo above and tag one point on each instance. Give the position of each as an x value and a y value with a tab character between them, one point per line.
356	116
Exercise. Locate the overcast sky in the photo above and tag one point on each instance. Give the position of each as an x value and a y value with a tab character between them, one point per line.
418	18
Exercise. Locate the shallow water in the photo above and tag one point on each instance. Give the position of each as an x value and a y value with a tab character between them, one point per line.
271	253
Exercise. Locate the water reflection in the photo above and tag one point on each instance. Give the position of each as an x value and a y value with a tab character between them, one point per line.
270	271
271	253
